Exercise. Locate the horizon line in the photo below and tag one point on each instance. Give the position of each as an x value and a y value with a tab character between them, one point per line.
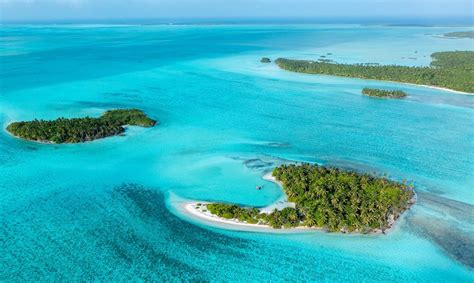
396	20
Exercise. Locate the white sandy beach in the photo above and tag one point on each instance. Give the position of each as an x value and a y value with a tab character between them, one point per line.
198	211
403	83
280	203
443	88
191	208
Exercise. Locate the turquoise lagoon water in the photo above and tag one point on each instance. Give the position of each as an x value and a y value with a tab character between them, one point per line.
108	209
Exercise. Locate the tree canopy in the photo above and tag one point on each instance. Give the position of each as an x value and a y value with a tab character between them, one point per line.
383	93
63	130
330	198
453	70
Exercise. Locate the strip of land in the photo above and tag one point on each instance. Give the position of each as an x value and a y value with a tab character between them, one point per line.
319	198
199	210
383	93
460	34
75	130
452	70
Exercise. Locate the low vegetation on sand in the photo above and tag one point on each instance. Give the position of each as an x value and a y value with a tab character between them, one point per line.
460	34
453	70
75	130
383	93
329	198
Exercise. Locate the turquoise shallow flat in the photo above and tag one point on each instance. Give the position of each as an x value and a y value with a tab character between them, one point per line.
109	209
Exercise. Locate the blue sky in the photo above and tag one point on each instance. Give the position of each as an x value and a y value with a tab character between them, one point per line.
33	10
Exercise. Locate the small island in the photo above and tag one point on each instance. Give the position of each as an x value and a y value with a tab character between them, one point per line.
452	70
326	198
460	34
75	130
265	60
383	93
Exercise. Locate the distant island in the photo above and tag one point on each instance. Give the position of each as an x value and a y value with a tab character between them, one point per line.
265	60
453	70
383	93
327	198
75	130
460	34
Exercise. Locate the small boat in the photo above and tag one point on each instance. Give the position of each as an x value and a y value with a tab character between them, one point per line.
259	188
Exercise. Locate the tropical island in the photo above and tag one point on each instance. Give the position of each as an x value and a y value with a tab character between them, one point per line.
460	34
75	130
383	93
326	198
265	60
452	70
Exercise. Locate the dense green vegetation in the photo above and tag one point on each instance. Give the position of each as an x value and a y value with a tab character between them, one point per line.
460	34
329	198
76	130
265	60
453	70
132	117
287	217
229	211
383	93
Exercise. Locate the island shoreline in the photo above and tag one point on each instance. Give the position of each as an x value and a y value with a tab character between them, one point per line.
79	130
195	210
46	142
410	84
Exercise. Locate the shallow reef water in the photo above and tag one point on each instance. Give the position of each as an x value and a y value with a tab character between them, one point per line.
105	210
